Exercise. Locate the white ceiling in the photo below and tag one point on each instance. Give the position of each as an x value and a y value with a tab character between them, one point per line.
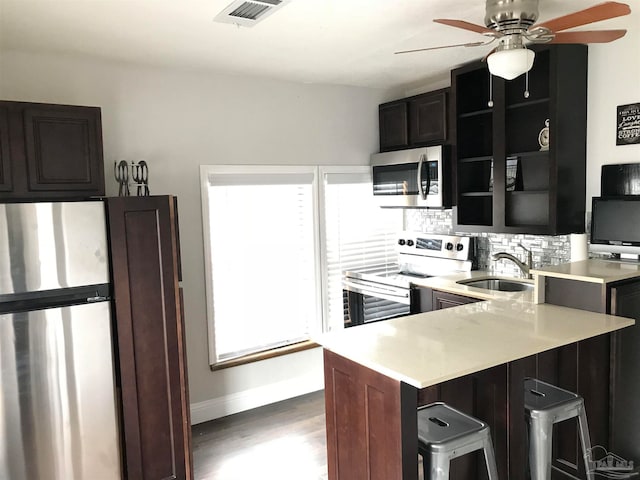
346	42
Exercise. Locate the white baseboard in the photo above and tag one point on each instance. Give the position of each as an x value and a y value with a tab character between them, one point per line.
253	398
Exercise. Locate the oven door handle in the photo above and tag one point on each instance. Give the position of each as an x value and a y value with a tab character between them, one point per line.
374	291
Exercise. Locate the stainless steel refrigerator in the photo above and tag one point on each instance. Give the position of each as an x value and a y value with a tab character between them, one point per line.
58	416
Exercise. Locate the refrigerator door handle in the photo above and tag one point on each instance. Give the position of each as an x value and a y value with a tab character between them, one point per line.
97	298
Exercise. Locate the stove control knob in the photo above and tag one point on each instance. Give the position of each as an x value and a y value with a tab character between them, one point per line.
410	243
401	242
459	247
449	246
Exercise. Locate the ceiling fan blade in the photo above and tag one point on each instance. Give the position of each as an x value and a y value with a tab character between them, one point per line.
472	44
595	36
597	13
465	25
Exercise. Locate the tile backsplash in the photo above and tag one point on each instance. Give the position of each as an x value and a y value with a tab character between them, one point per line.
547	250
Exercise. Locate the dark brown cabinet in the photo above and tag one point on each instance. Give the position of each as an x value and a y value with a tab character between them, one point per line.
150	335
428	299
447	300
504	181
393	126
428	118
50	151
414	121
625	418
365	412
586	369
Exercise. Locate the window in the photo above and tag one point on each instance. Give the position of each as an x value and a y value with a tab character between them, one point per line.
357	233
277	239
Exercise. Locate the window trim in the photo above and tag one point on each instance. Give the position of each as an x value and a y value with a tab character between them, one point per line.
322	191
265	355
205	172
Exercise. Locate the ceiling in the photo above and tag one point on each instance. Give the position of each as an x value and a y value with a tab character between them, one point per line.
345	42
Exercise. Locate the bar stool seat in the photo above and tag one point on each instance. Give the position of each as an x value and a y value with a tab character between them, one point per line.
445	433
545	405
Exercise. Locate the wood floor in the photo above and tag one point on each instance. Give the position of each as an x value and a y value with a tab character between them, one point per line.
284	441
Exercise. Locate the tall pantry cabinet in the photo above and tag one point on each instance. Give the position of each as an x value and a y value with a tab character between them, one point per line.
150	337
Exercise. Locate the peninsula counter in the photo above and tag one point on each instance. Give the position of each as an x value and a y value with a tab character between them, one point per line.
474	357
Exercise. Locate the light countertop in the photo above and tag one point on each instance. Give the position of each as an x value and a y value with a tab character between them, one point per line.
433	347
449	284
594	271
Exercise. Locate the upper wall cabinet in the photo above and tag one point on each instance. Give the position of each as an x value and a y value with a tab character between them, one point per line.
506	181
393	125
415	121
50	152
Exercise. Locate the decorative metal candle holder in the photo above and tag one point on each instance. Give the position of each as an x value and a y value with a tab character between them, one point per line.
137	172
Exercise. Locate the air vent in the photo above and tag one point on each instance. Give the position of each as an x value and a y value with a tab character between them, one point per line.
249	12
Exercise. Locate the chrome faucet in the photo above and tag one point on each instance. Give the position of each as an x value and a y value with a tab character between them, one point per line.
525	268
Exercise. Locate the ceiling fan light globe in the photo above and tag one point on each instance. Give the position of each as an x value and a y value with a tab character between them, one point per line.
509	64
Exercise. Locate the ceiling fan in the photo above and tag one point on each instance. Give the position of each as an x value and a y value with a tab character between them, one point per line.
513	24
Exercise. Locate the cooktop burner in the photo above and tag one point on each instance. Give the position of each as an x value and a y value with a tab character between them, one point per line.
414	275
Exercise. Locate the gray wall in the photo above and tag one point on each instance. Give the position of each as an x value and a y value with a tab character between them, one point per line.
179	120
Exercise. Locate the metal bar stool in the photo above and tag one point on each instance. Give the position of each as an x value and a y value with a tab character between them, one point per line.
445	433
545	405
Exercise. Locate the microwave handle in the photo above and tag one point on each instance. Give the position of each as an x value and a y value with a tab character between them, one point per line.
421	190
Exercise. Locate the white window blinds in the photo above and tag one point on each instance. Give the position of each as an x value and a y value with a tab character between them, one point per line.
357	232
269	281
262	248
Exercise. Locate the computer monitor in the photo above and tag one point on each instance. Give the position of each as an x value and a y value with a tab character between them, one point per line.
615	225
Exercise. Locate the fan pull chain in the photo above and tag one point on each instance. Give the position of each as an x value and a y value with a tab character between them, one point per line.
490	102
526	85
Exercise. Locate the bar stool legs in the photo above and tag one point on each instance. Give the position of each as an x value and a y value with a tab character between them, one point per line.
546	405
540	442
490	460
445	433
585	440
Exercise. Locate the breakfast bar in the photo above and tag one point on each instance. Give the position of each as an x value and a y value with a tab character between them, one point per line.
474	357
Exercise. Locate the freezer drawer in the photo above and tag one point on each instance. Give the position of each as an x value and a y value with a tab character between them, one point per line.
57	405
52	245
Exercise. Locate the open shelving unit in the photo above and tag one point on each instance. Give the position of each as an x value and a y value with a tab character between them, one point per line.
504	181
474	131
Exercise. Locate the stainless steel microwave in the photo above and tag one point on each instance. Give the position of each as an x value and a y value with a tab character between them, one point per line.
415	178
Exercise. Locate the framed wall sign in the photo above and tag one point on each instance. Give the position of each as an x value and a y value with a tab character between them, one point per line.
628	129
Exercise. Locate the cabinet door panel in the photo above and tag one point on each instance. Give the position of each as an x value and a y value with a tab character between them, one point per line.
6	183
447	300
393	126
150	338
371	423
428	119
64	149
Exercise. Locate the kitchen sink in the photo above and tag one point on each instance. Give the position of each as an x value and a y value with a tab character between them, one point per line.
500	284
